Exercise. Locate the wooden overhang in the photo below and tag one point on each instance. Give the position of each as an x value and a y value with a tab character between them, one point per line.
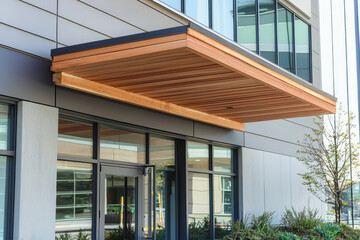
186	72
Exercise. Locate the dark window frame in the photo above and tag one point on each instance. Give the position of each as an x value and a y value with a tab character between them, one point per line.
10	155
211	173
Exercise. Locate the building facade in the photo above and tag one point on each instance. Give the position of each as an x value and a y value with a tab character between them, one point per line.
154	119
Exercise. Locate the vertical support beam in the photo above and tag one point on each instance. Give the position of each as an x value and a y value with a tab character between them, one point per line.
238	200
181	183
35	185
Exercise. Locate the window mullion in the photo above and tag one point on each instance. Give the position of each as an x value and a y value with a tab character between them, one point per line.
276	33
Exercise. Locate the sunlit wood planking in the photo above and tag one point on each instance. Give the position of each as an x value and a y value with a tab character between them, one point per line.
195	75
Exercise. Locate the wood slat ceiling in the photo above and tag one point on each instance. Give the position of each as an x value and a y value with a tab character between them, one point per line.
189	75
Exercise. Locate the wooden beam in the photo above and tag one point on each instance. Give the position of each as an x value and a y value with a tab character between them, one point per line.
84	85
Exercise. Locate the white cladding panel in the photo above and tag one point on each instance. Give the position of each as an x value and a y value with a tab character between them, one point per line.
35	184
271	183
303	5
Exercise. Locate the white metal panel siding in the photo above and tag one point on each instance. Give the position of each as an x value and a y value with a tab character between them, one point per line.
303	5
271	183
91	17
36	157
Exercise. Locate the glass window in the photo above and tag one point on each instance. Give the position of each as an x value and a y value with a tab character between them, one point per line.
222	159
302	48
198	10
3	195
75	138
173	3
74	198
198	206
246	23
162	154
267	29
285	38
4	126
223	205
198	155
121	145
223	17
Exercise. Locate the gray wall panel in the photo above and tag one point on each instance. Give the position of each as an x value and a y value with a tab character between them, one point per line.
214	133
101	107
25	77
270	145
279	129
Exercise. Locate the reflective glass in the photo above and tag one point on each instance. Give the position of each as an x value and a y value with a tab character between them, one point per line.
121	145
198	10
223	205
198	155
222	159
267	29
162	155
120	207
198	206
4	126
75	138
285	39
302	49
223	21
173	3
74	198
246	23
3	193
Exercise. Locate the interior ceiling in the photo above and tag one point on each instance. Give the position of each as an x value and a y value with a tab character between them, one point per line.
194	73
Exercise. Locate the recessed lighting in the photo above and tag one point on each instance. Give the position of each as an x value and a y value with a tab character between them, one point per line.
197	160
229	108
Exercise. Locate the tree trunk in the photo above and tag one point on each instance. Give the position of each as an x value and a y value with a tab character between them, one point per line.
338	206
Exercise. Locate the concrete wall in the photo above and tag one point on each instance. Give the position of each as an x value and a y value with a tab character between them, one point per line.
36	157
271	183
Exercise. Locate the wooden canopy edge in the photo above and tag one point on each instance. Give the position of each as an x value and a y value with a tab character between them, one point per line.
84	85
207	47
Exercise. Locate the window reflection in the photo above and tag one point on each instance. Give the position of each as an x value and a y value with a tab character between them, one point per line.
302	49
75	138
74	198
198	206
246	23
285	38
267	29
121	145
223	208
223	17
198	10
3	194
173	3
222	159
162	155
198	155
4	126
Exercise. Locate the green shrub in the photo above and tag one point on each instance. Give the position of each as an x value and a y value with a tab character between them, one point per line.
82	236
262	221
259	228
63	236
349	232
287	236
328	231
120	234
301	221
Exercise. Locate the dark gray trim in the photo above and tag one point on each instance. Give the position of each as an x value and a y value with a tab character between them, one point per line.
181	186
257	58
7	153
293	43
239	184
119	40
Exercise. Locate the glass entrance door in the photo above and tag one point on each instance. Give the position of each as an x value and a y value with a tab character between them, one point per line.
124	203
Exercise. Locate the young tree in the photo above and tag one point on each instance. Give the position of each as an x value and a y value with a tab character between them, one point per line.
330	152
